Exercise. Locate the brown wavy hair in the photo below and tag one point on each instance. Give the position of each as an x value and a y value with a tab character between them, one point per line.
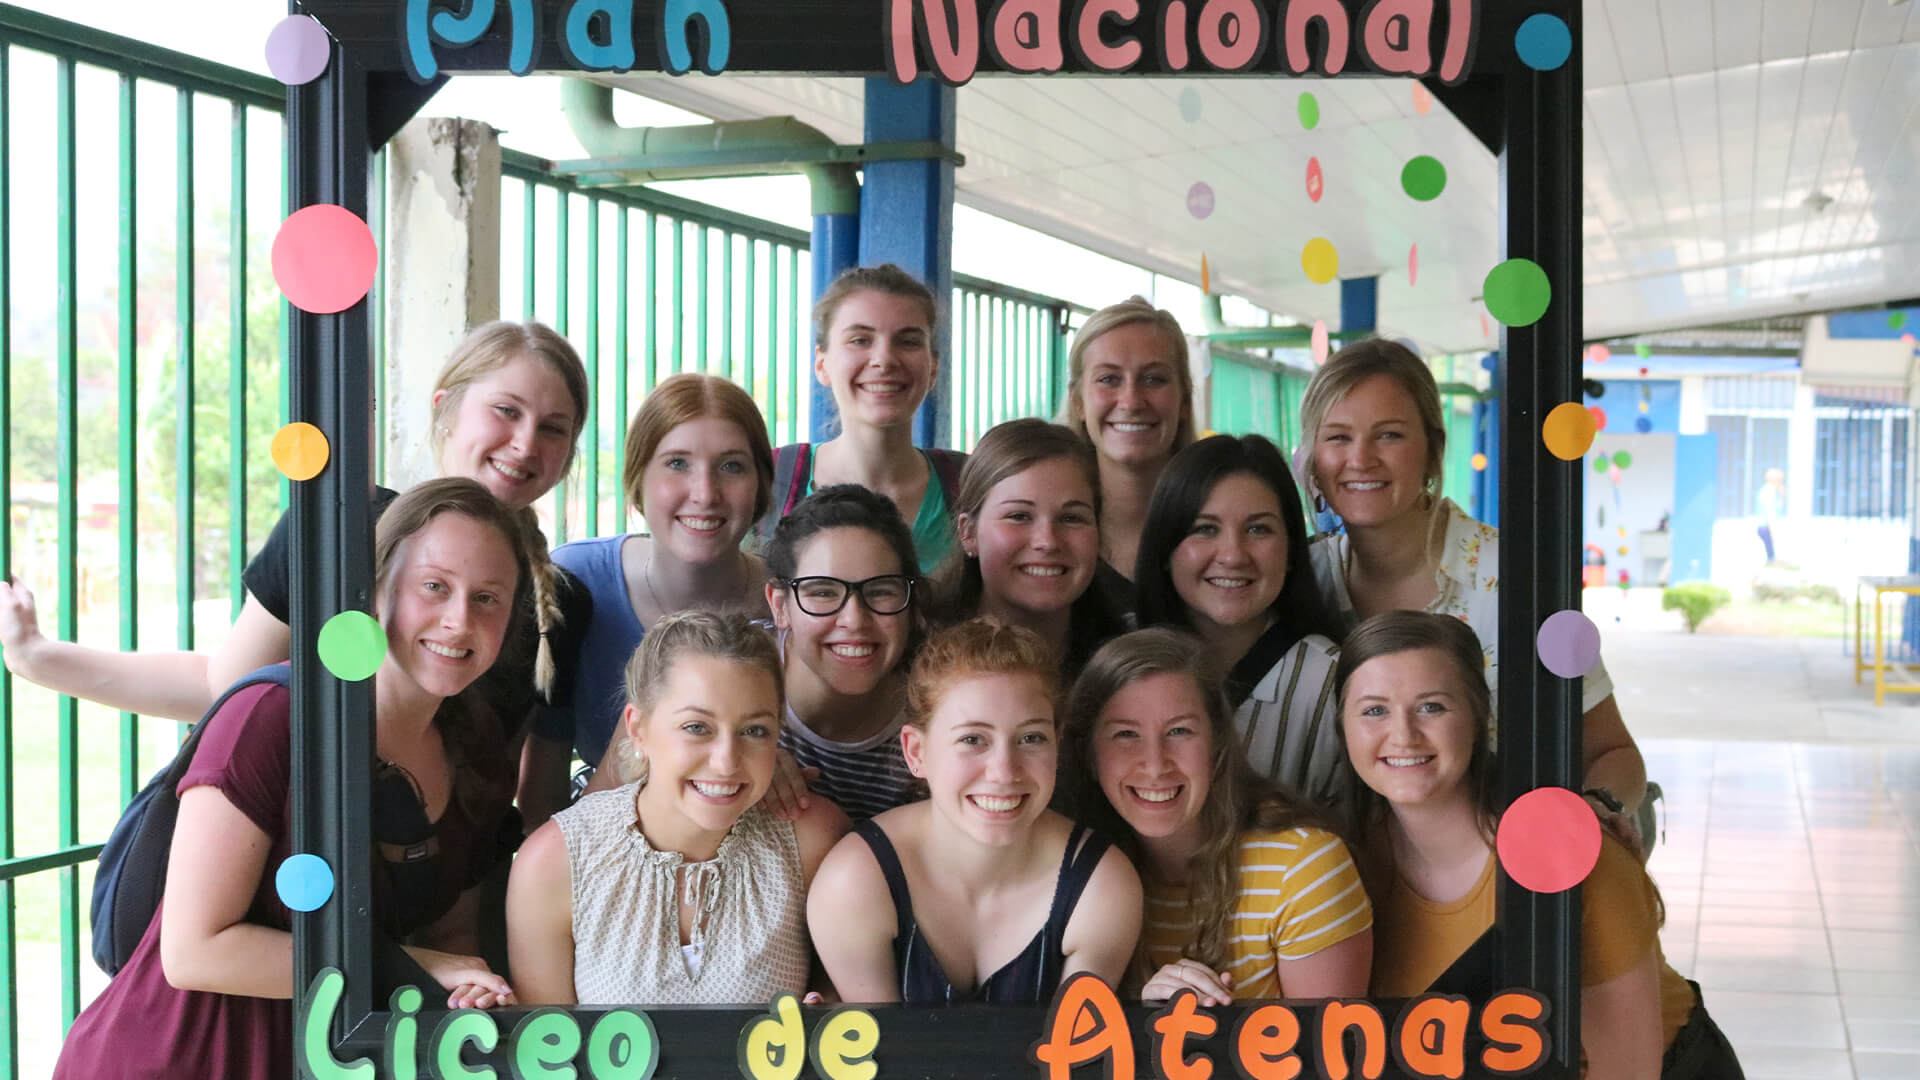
474	735
690	396
1238	798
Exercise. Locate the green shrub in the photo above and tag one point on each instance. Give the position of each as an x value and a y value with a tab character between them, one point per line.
1695	601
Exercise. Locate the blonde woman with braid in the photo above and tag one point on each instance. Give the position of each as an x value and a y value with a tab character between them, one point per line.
678	887
506	410
1246	895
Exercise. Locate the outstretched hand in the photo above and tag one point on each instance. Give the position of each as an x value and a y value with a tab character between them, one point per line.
19	625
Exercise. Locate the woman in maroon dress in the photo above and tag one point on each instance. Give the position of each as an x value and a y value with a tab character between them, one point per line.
207	992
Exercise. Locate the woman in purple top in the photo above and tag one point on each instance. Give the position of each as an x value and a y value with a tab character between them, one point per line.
207	992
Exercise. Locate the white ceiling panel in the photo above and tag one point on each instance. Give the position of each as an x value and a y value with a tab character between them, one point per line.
1707	127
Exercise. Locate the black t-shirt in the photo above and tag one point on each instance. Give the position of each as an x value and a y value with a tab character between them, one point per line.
508	685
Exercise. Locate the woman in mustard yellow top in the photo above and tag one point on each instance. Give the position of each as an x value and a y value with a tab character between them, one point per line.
1414	714
1245	897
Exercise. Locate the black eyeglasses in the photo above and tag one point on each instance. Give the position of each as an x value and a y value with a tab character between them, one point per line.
888	594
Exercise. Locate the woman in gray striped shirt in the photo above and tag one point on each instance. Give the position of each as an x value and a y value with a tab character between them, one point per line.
846	598
1224	555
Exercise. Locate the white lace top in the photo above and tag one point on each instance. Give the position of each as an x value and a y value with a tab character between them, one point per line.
750	934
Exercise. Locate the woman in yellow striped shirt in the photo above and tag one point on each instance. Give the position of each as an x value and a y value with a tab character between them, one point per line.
1245	897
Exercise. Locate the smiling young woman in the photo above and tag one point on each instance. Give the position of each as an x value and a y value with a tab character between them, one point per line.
699	469
1130	396
1224	555
873	348
1028	516
978	892
1374	438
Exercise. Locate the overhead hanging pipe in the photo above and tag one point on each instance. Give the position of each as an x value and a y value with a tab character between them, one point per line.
762	147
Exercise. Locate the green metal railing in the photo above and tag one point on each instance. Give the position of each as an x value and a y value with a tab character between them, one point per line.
746	318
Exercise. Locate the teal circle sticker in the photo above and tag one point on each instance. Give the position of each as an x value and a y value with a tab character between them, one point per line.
304	882
1424	178
1543	42
352	645
1517	292
1309	111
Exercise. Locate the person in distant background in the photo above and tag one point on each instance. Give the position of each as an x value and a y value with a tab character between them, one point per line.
1768	504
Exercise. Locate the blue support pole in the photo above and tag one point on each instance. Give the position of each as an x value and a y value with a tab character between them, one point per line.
1359	303
906	217
836	247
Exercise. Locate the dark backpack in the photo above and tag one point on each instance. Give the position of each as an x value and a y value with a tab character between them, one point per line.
132	875
793	465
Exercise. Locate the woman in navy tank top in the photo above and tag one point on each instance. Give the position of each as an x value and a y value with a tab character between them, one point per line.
978	892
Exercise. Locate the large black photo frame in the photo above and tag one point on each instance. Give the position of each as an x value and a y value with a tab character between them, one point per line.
1529	119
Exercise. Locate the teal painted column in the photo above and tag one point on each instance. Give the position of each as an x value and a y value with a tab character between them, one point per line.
906	218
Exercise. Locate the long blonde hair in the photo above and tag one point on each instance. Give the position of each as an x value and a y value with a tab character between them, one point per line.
488	348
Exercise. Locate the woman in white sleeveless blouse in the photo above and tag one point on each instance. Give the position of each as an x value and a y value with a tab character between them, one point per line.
676	887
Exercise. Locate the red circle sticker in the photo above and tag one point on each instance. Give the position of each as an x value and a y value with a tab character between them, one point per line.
1548	840
1316	181
324	258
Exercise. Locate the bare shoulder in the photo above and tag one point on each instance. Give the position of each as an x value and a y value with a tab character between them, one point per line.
543	855
849	888
818	828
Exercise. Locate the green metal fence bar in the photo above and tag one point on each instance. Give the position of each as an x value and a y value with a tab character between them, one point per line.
726	313
703	350
183	368
9	958
562	275
65	858
753	319
67	467
796	362
650	356
621	354
679	275
128	463
592	431
526	255
237	360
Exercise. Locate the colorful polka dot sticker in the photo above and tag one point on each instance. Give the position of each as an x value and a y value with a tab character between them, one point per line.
1568	431
1309	109
1543	42
1319	342
1642	425
1479	462
1206	276
1316	181
1599	417
1569	644
1517	292
1548	840
1622	459
1644	352
303	882
299	450
1600	466
1320	260
1413	264
324	258
1190	105
1200	200
1485	330
1599	353
1423	178
352	646
1896	319
297	50
1422	99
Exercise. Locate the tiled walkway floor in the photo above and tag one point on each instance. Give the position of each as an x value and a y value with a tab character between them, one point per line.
1791	864
1792	880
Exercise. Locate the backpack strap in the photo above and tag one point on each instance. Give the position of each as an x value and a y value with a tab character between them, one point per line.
790	472
947	465
280	674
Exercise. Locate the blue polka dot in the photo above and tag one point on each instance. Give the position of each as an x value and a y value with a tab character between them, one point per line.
304	882
1489	362
1642	425
1543	42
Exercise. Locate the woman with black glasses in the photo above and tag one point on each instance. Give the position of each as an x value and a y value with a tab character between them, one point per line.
842	594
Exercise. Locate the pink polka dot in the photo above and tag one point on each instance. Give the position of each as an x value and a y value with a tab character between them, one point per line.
324	258
1548	840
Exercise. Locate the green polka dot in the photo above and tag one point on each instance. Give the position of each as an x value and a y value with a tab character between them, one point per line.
1309	112
1623	459
1517	292
1896	319
1644	352
352	645
1424	178
1600	466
